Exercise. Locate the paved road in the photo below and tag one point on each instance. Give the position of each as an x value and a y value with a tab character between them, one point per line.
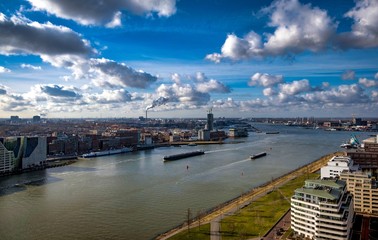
284	224
215	229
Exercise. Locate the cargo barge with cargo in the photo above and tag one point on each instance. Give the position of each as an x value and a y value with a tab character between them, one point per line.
183	155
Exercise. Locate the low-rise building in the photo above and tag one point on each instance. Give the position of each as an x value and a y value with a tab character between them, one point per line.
238	132
204	135
336	166
322	209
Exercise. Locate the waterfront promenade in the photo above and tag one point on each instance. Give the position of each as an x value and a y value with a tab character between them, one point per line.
216	214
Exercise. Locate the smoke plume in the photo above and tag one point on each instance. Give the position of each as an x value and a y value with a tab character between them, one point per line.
157	102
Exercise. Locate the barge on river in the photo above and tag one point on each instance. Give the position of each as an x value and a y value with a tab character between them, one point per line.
259	155
107	152
183	155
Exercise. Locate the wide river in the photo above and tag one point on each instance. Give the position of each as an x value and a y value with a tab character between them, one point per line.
137	196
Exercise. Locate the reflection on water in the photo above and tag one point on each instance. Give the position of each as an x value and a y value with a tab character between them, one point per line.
137	196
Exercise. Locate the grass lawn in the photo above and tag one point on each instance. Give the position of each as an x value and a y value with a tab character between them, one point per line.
255	219
201	233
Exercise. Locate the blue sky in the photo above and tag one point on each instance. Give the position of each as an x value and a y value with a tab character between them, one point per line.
284	58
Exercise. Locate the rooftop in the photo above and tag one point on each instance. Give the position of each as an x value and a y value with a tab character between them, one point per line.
334	183
332	195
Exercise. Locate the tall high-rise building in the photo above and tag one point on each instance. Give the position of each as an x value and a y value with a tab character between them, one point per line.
322	209
36	119
210	120
17	153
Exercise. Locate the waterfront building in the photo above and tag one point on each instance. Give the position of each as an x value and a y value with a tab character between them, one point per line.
366	157
204	135
237	132
174	138
20	153
363	187
336	166
322	209
7	161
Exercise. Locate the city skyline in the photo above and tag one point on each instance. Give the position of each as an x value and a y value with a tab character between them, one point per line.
284	58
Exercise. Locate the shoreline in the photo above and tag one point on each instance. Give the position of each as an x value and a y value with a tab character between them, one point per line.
247	198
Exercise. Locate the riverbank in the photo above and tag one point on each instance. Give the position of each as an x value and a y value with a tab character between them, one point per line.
50	163
230	207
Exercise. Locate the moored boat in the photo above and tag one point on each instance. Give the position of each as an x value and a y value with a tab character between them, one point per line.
107	152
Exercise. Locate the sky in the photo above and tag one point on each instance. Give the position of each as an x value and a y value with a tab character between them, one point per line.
180	58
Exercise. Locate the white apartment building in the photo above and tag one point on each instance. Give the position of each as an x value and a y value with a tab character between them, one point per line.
336	166
322	209
7	160
364	189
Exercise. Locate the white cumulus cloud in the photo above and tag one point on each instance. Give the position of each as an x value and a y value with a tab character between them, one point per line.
265	80
368	83
295	87
298	28
4	70
24	65
364	32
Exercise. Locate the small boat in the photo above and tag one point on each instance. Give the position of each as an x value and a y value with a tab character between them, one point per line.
254	156
272	132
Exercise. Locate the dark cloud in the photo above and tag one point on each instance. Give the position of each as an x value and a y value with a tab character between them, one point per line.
108	73
21	36
99	12
59	91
